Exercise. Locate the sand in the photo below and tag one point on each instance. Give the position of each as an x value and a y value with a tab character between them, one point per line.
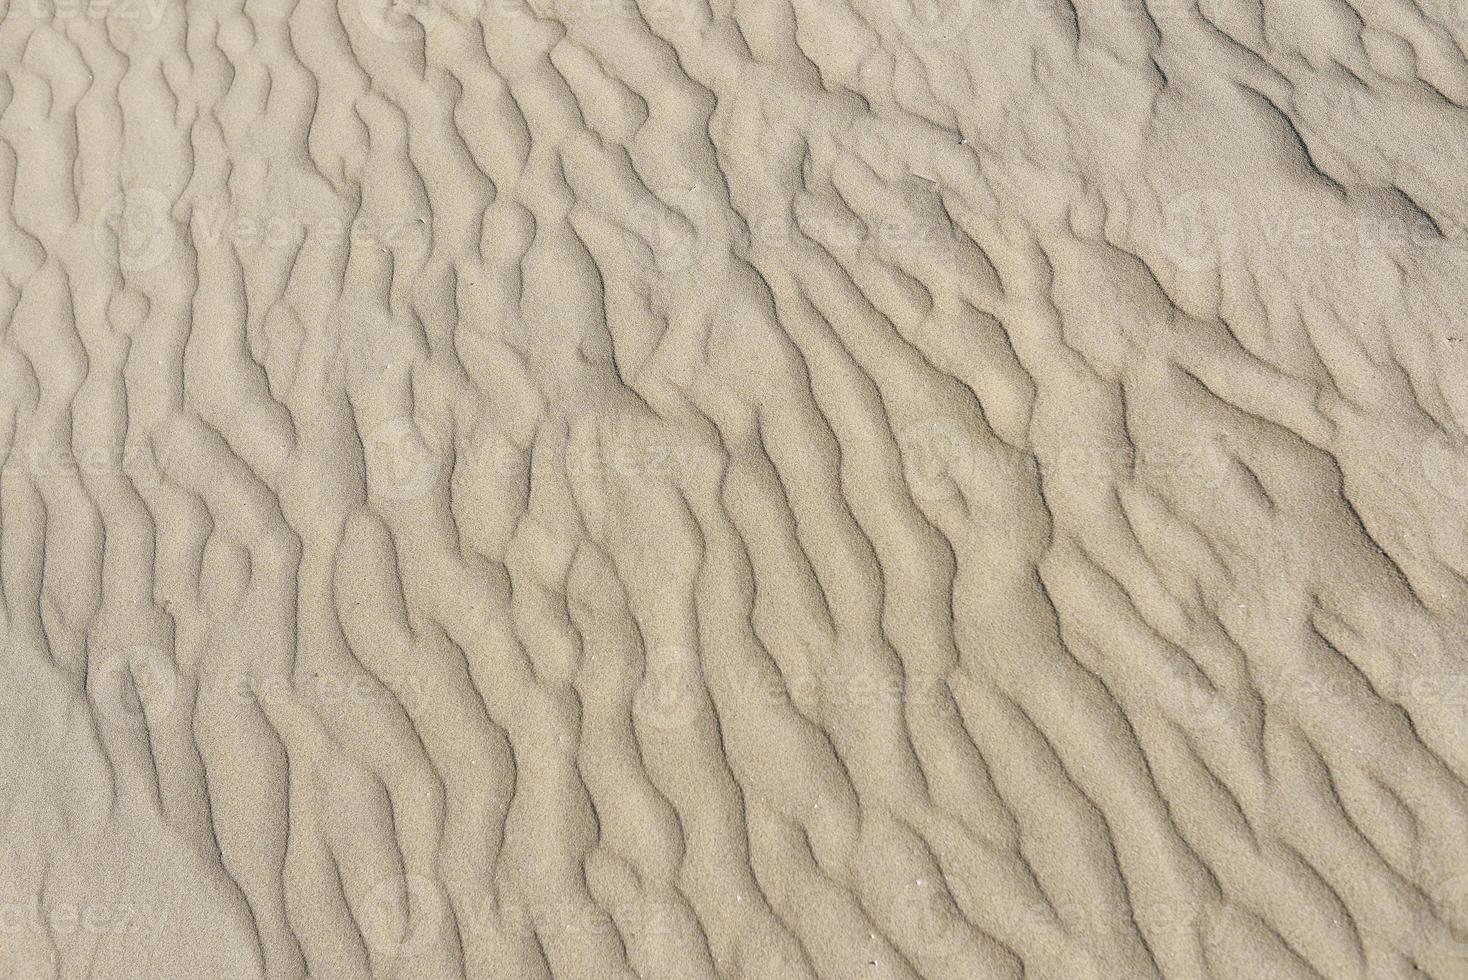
733	489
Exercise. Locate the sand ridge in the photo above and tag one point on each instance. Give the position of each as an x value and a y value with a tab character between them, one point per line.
733	488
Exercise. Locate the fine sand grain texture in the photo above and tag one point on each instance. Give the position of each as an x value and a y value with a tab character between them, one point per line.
774	489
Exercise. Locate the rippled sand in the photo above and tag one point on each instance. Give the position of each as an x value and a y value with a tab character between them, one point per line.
741	489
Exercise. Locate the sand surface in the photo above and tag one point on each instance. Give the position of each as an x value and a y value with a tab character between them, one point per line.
733	489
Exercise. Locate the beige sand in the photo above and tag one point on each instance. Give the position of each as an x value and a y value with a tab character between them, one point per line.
734	488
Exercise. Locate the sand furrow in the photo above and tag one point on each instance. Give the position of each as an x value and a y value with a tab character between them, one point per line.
675	488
